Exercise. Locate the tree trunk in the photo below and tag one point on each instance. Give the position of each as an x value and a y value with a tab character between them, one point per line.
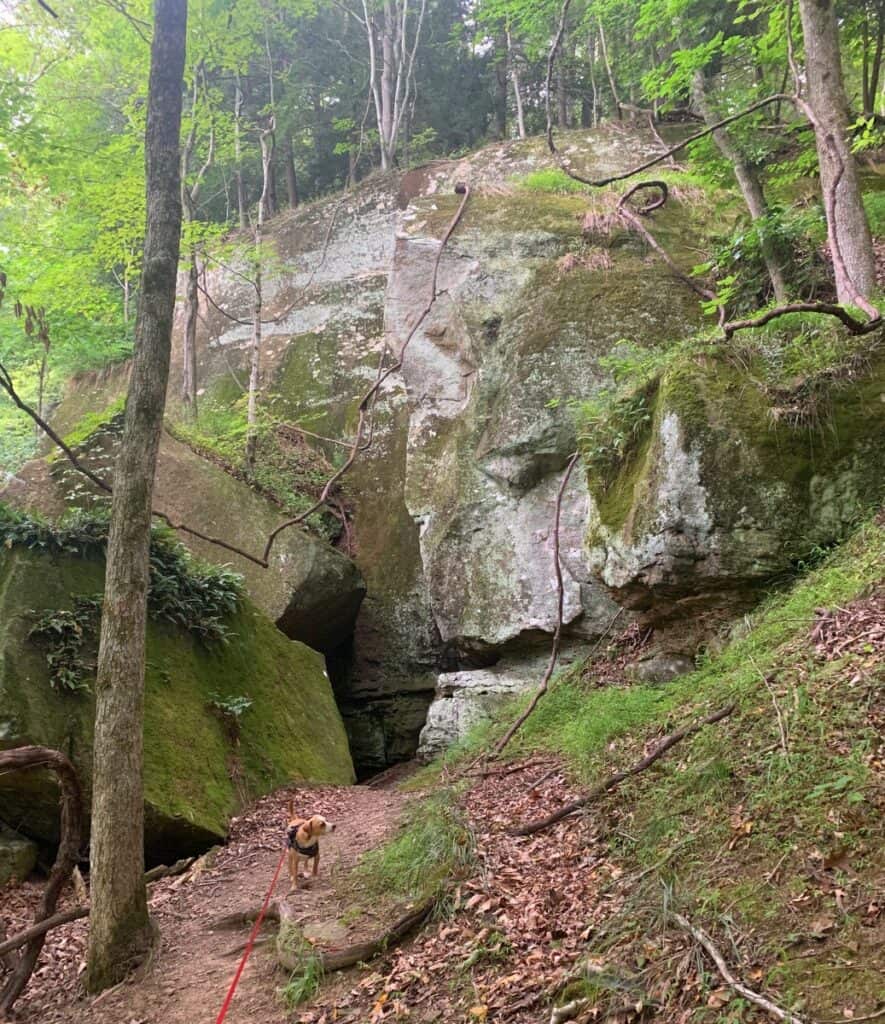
242	205
748	182
291	179
517	92
388	72
500	86
609	72
847	227
121	933
255	358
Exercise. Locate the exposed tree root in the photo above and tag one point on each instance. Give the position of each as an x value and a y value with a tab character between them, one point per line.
703	939
854	325
615	780
76	913
71	829
360	952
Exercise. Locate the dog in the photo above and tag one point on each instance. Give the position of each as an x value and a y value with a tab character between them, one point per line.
303	841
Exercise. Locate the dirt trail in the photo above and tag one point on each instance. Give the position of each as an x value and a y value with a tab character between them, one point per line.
187	979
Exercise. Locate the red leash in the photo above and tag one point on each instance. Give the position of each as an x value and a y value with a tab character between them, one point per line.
252	936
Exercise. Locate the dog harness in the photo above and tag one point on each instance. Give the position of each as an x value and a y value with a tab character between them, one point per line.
306	851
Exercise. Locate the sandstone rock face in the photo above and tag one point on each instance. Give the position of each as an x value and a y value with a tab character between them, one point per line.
451	505
725	492
195	776
18	857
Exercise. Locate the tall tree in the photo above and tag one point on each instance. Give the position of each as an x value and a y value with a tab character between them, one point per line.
120	931
827	107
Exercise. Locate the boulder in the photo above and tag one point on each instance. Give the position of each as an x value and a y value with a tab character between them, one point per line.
465	698
312	591
734	486
196	774
18	857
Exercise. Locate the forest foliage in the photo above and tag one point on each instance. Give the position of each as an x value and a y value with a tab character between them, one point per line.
327	93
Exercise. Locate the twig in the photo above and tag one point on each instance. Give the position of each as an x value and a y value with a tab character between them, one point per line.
560	601
777	708
615	780
749	994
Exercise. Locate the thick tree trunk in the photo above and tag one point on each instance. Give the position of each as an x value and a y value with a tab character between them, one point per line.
847	226
121	933
748	182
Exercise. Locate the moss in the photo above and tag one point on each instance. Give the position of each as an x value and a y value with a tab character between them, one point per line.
194	778
769	465
90	424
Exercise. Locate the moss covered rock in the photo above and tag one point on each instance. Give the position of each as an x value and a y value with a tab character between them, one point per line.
734	485
197	774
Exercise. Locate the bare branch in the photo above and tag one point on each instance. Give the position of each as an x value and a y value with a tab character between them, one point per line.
854	325
560	601
749	994
367	402
615	780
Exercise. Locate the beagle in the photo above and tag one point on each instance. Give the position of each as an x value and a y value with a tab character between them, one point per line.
303	841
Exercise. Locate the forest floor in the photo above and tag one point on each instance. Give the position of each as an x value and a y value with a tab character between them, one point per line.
765	829
187	979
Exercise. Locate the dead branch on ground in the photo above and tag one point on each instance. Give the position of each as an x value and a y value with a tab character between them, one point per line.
76	913
703	939
360	952
71	829
560	600
615	780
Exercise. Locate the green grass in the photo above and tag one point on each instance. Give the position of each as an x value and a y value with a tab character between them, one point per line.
551	179
434	845
305	980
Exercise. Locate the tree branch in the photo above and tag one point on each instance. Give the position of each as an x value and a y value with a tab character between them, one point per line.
71	829
615	780
703	939
560	601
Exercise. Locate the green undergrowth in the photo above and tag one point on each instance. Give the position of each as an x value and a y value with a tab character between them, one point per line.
738	826
550	179
287	470
433	845
307	975
183	591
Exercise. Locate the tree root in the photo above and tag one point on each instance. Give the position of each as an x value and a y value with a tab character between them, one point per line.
77	913
615	780
349	956
71	830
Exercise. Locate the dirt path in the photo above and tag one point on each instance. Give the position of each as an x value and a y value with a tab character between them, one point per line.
187	980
